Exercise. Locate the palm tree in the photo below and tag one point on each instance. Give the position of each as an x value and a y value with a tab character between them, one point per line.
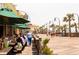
69	18
75	28
65	27
57	28
61	29
53	27
75	25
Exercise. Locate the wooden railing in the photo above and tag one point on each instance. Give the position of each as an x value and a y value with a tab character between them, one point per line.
36	45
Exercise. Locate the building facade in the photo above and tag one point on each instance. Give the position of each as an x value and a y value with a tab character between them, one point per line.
7	29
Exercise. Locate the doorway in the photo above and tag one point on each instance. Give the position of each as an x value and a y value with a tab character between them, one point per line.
1	31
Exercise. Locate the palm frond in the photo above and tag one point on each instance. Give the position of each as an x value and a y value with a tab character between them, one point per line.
52	25
65	19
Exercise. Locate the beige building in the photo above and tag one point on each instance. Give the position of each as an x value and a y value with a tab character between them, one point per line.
9	5
23	15
4	30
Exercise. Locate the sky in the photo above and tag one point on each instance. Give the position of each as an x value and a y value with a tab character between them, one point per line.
42	13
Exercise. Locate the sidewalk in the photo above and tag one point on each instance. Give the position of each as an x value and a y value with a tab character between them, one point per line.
63	45
27	51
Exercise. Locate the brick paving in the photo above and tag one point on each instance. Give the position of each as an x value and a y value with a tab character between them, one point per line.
63	45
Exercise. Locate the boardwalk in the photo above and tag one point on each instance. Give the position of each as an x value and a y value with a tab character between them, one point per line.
26	51
63	45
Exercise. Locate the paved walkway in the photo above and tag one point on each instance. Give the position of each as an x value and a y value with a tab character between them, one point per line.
27	51
63	45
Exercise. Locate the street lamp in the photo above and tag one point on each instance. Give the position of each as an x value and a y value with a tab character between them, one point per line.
49	27
52	25
59	22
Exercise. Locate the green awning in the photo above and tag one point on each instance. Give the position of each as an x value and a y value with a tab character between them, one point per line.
21	26
9	17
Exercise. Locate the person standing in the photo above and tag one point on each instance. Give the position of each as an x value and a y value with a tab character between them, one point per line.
29	37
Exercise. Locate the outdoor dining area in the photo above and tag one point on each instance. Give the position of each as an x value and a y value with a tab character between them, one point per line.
10	42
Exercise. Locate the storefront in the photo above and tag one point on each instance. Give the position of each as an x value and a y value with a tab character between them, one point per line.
22	28
7	19
1	31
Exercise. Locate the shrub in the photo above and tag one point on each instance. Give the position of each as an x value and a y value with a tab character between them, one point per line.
45	42
45	49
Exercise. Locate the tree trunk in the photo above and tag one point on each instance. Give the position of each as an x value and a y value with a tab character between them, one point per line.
62	32
76	29
52	30
69	27
65	31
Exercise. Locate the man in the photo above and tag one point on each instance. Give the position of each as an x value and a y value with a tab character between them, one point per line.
29	37
26	40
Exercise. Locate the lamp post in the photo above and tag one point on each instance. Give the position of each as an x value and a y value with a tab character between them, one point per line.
49	27
53	26
59	22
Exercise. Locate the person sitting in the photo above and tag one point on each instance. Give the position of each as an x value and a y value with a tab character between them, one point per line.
23	40
19	45
26	41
